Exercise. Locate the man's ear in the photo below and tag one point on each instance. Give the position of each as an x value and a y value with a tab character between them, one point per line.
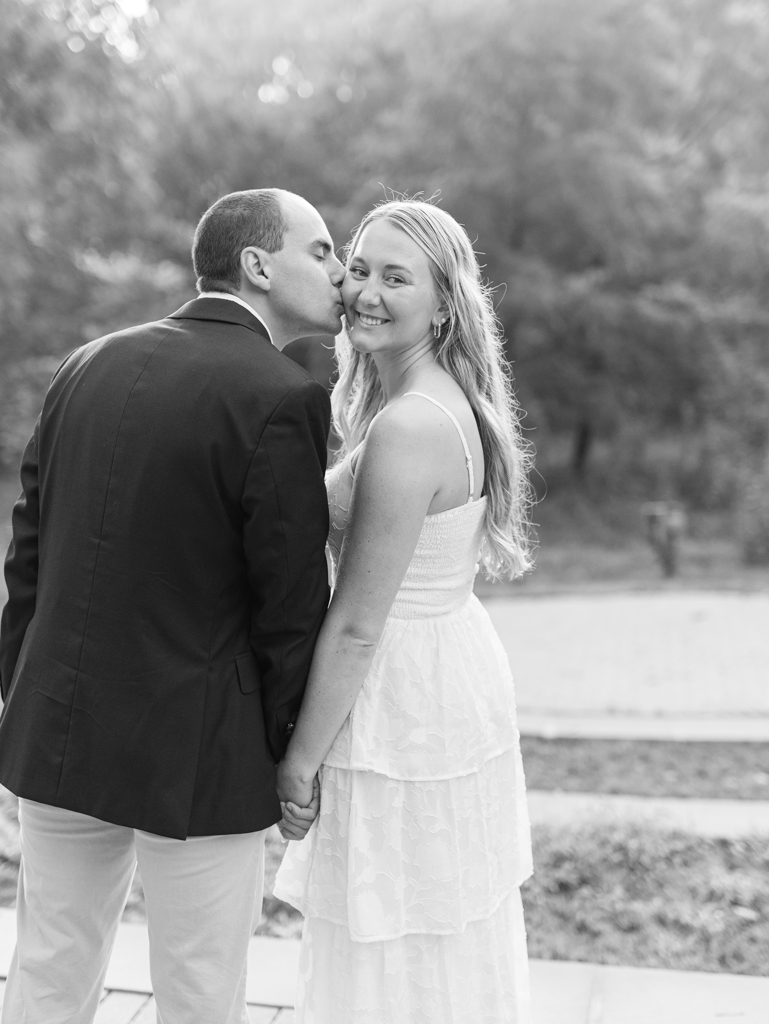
255	267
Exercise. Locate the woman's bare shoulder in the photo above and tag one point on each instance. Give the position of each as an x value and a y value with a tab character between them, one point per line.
405	422
405	441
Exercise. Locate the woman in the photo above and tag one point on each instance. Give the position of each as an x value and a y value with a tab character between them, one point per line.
409	880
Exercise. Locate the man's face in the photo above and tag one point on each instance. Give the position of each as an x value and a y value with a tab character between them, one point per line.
306	276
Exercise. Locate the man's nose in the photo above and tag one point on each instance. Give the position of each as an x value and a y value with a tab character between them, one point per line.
337	272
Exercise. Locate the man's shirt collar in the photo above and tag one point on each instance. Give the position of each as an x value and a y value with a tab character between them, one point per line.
241	302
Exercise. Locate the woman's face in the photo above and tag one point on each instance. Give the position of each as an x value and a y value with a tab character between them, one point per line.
389	294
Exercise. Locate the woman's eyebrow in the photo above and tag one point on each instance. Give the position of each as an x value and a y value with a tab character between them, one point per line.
388	266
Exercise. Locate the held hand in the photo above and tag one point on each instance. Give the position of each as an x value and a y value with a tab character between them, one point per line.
296	821
299	801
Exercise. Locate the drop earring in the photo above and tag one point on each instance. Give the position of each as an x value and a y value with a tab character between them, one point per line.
437	327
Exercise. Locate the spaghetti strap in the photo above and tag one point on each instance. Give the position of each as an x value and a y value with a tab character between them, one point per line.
463	439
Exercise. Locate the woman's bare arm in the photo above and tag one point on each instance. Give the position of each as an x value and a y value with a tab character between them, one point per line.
398	474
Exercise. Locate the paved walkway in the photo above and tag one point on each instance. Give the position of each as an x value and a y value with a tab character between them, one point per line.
629	660
719	819
562	993
552	726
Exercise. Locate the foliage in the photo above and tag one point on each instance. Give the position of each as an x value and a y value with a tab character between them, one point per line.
73	126
611	158
22	390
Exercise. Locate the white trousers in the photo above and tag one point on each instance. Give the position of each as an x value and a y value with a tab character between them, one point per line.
203	897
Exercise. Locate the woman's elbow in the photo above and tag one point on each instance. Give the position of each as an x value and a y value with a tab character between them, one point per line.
362	637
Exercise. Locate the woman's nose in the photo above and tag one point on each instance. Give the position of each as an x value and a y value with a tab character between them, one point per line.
369	293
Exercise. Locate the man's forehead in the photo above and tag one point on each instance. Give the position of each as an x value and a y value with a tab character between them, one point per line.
302	218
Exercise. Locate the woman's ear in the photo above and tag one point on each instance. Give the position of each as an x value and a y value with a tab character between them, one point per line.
255	266
439	319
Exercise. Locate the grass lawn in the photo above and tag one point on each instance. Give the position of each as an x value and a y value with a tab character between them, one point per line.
650	899
738	771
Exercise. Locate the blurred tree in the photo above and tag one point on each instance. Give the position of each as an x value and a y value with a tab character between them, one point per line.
22	390
610	157
76	181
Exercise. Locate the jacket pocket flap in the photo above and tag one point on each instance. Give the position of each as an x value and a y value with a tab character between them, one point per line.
248	673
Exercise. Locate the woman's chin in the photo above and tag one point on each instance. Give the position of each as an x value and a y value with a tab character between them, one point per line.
359	340
353	335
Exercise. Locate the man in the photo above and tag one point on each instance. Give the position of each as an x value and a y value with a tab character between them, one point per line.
166	584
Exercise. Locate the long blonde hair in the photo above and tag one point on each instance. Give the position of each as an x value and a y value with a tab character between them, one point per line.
471	349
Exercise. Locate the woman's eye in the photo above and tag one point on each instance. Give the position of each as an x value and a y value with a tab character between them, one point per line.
358	272
395	279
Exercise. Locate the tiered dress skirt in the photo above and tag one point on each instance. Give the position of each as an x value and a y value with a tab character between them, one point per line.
409	879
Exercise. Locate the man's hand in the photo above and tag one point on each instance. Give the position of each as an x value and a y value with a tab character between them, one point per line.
299	802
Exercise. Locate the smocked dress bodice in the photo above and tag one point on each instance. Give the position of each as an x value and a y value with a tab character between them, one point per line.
442	570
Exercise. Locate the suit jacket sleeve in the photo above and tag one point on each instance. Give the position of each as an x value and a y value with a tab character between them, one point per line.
285	530
21	566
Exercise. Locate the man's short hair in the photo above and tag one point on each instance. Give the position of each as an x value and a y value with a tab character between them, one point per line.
227	228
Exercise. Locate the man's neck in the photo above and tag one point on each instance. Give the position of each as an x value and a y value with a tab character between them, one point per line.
279	336
265	314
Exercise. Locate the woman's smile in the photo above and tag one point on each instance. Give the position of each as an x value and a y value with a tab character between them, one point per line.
368	320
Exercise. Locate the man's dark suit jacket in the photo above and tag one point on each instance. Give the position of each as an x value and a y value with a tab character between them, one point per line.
167	577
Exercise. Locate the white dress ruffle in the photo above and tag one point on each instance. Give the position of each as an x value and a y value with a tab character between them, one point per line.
390	858
416	717
409	878
475	976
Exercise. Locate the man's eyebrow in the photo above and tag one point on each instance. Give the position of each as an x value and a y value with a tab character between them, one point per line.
321	243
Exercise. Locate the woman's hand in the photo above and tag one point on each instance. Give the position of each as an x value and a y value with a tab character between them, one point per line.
299	801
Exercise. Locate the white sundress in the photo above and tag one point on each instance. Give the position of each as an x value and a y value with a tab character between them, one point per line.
409	878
